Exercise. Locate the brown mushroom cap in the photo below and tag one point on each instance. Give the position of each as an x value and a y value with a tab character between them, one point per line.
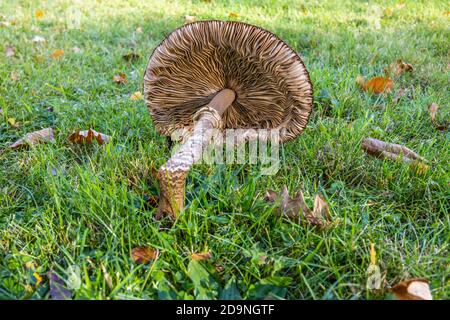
194	62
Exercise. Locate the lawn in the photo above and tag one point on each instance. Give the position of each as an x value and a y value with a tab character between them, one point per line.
79	210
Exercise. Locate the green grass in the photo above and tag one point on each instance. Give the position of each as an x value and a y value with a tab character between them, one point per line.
64	205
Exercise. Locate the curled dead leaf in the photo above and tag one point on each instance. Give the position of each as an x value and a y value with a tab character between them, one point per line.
143	255
201	256
88	136
381	149
398	67
296	208
44	135
120	78
413	289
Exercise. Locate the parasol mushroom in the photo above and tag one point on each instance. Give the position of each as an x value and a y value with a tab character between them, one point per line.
221	75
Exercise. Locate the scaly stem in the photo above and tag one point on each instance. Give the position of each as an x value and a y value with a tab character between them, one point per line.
172	175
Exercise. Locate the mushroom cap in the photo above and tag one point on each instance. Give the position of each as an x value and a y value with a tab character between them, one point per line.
197	60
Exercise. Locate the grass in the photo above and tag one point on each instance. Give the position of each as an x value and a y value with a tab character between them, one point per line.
65	205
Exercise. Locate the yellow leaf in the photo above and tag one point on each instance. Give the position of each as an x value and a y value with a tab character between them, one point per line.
233	15
57	53
38	278
136	96
373	254
39	14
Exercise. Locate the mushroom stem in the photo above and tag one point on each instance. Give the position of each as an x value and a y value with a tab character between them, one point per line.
172	175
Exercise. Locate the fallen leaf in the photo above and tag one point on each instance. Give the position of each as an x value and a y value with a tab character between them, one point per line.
132	56
30	265
398	67
38	39
381	149
373	271
432	110
413	289
378	85
88	136
136	96
138	30
14	76
57	53
189	19
10	52
143	255
233	15
33	138
120	78
201	256
361	81
38	278
13	123
58	288
39	14
107	277
295	208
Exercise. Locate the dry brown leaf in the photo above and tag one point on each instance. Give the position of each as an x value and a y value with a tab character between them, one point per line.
413	289
381	149
10	51
143	255
201	256
132	56
57	53
14	76
39	14
398	67
136	96
233	15
433	109
44	135
295	208
88	136
189	19
378	85
120	78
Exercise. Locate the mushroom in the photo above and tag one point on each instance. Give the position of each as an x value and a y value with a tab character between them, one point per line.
219	75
